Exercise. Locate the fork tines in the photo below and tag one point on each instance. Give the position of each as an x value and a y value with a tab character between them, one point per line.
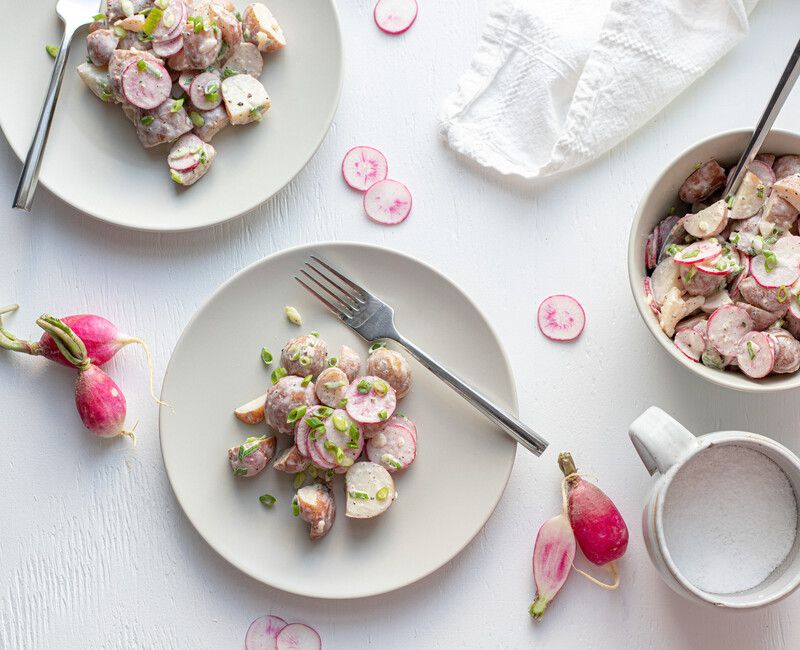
345	296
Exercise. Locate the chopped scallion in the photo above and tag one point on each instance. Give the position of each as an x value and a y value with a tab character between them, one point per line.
268	500
266	356
381	494
278	374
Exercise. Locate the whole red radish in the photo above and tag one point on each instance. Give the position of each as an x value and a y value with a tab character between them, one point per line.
100	336
599	528
101	405
553	553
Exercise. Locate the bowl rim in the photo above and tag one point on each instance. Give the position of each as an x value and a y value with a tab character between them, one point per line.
720	378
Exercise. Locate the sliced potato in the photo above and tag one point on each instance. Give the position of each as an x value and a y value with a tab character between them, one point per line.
708	222
789	189
253	411
262	29
246	99
317	507
750	197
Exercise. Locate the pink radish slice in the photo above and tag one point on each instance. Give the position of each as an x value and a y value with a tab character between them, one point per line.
172	21
168	48
147	88
394	447
561	318
402	420
388	202
395	16
745	262
187	154
782	275
374	399
297	636
338	438
553	553
726	327
301	436
723	264
362	167
690	343
204	86
756	355
651	250
263	632
698	252
186	79
764	173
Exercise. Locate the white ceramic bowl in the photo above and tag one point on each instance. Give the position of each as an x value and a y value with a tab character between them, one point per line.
662	194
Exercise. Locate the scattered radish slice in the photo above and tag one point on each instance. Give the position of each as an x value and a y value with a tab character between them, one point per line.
698	252
561	318
395	16
362	167
297	636
263	632
690	343
387	202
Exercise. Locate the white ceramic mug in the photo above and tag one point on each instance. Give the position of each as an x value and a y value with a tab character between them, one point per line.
664	445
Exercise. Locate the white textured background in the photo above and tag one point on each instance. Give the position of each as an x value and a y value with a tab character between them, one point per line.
94	551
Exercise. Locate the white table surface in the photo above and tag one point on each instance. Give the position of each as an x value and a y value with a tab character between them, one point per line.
96	553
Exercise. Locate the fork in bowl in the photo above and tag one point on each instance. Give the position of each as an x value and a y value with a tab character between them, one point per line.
74	14
373	319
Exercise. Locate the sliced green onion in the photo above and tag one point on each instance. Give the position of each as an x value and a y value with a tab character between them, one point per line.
358	494
674	249
363	386
312	471
750	350
196	119
152	20
97	17
278	374
268	500
324	411
295	354
353	432
333	361
735	237
266	356
176	177
253	448
52	50
295	506
760	190
238	15
141	65
240	471
782	294
296	413
293	315
340	423
330	445
176	105
329	475
690	274
671	211
391	461
315	423
729	201
377	346
304	361
332	385
241	452
381	387
229	72
299	479
381	494
382	414
770	260
147	120
691	254
120	32
352	445
315	333
342	402
306	380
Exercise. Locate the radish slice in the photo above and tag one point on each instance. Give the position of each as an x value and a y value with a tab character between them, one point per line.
395	16
394	447
648	295
263	632
297	636
388	202
699	252
333	435
561	318
651	250
205	91
726	327
690	343
146	84
165	49
745	262
370	400
362	167
764	173
783	274
723	264
756	355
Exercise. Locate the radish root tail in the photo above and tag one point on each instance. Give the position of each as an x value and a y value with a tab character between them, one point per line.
131	434
150	367
605	585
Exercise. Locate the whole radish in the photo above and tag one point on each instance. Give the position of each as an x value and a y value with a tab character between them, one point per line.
599	528
100	336
100	402
553	553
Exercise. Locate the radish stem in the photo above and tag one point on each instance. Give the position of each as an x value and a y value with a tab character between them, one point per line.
10	342
68	343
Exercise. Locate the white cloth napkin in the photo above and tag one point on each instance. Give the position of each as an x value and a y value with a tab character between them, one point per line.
555	83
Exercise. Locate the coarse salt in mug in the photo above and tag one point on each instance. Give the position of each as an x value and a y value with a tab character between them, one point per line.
721	521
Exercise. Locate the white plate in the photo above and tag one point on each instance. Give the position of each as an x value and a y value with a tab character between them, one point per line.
445	497
94	160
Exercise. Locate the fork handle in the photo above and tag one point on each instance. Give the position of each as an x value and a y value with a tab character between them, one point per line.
30	171
523	434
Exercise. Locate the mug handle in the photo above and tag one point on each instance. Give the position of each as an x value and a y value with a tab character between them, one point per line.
660	440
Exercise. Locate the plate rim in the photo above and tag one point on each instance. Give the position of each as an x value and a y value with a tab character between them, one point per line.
514	406
21	155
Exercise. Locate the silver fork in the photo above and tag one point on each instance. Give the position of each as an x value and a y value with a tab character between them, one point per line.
373	319
75	14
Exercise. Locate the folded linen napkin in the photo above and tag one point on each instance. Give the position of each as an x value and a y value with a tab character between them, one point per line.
555	83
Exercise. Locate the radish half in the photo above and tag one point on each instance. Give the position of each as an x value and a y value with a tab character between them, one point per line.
387	202
362	167
395	16
297	636
263	632
561	318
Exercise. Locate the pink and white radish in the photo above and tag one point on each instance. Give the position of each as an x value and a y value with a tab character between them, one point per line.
698	252
298	636
561	318
744	273
651	250
263	633
338	444
146	84
395	16
100	402
726	327
772	271
553	553
394	447
691	343
648	295
370	400
252	456
756	355
388	202
362	167
599	528
100	336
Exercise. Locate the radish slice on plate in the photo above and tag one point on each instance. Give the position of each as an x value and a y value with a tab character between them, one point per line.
561	318
362	167
756	356
387	202
263	632
297	636
395	16
698	252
